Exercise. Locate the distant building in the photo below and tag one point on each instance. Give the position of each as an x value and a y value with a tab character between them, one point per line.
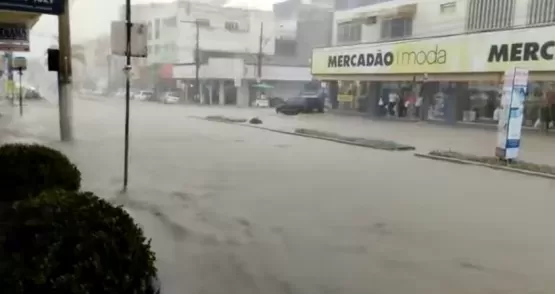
229	42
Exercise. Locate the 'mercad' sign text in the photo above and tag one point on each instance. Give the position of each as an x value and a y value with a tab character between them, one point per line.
484	52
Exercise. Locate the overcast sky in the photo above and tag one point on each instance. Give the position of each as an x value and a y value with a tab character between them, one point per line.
92	18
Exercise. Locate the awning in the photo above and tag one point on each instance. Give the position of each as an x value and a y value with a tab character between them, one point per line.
263	86
19	17
408	10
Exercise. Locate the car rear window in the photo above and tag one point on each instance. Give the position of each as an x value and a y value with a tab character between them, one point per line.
295	99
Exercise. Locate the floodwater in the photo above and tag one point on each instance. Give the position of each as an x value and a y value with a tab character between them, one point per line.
232	209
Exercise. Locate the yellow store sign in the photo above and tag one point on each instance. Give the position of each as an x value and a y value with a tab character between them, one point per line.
533	49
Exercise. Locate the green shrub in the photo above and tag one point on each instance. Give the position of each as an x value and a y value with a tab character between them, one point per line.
71	242
27	170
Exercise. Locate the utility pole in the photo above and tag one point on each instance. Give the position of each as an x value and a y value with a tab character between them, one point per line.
260	54
197	61
20	70
65	75
109	71
10	84
128	26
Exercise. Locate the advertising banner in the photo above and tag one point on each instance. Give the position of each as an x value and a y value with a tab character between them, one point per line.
532	48
14	37
515	83
39	6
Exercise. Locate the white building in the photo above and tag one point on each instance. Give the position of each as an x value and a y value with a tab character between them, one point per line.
451	53
230	40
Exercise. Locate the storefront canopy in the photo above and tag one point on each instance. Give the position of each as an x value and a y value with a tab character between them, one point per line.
29	19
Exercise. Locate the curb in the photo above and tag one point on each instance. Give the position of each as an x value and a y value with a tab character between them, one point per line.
411	148
491	166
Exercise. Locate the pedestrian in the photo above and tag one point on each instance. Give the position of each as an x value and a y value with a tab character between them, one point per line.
550	103
545	115
393	99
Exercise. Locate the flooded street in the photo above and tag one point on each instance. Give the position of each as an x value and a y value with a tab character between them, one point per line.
233	209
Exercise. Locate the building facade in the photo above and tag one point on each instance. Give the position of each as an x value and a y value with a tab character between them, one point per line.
439	60
228	39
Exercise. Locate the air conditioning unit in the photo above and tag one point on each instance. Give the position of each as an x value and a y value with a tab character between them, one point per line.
371	20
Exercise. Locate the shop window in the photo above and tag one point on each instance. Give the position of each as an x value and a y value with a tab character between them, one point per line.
483	100
157	28
170	22
485	15
231	25
397	99
396	28
202	22
285	47
349	32
441	102
347	91
448	8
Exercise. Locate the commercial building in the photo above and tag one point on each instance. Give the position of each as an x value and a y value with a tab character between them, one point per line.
16	20
438	60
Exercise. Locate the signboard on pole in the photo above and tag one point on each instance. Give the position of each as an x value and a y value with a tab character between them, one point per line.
138	36
55	7
515	83
14	37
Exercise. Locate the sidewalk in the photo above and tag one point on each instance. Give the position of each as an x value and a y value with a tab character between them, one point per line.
536	147
6	115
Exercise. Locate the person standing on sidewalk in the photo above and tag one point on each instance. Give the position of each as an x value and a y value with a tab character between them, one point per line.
546	113
550	95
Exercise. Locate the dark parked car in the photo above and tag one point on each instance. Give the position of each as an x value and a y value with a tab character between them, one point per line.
276	101
297	105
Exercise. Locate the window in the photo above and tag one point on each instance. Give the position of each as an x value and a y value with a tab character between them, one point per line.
541	12
350	4
156	49
285	47
349	32
149	32
448	8
231	26
157	28
202	22
485	15
170	22
396	28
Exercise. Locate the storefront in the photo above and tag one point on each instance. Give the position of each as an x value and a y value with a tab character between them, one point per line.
449	79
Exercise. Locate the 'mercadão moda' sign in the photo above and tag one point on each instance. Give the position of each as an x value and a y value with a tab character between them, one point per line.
39	6
533	49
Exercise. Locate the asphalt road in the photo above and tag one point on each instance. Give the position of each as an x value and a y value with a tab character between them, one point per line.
238	210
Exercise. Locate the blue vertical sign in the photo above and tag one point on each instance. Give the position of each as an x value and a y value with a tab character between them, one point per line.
515	83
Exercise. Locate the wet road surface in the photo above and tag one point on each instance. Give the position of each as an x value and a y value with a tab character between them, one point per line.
238	210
